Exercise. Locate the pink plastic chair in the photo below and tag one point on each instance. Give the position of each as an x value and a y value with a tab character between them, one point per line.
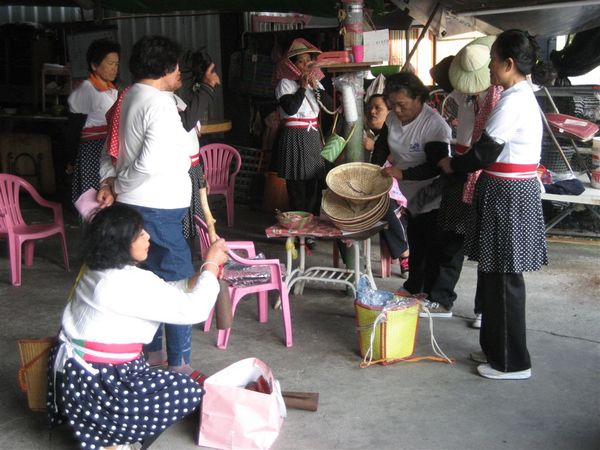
18	232
237	293
216	162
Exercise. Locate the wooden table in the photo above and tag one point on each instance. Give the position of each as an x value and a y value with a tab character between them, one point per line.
324	230
216	126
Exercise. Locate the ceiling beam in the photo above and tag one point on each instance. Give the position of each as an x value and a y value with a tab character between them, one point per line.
516	9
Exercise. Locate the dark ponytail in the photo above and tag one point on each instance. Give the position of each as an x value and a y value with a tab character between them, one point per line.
525	52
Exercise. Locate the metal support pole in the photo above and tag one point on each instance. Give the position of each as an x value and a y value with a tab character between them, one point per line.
421	36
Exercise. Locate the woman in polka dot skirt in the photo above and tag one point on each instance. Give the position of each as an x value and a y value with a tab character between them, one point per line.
89	103
506	235
98	380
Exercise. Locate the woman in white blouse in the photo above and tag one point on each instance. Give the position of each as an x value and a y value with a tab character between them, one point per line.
506	235
92	99
99	382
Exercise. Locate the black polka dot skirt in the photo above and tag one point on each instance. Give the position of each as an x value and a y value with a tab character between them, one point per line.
506	233
122	403
86	173
299	155
196	174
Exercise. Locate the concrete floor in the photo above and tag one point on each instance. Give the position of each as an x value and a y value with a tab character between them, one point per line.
423	405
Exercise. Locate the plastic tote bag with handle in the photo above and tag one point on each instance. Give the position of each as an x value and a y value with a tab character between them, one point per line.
234	417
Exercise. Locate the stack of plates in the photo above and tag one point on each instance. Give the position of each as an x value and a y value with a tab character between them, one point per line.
349	216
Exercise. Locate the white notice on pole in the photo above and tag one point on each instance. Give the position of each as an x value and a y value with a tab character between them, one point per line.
377	45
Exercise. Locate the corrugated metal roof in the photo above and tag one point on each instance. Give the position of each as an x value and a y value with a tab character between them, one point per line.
39	14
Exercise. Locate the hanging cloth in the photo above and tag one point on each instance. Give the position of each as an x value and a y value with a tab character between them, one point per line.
113	116
481	118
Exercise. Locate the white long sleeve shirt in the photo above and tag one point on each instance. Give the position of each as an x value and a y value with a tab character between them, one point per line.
516	122
86	99
154	151
123	306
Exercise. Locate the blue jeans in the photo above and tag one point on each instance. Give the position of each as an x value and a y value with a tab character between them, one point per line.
170	258
179	343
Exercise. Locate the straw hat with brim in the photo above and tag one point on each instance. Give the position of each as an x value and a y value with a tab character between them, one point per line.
469	72
344	215
359	182
347	211
301	46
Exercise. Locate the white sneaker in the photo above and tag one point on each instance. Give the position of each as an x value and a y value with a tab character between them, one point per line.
478	357
476	322
486	371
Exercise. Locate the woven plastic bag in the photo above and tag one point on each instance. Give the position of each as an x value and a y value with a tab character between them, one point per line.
386	334
387	324
335	144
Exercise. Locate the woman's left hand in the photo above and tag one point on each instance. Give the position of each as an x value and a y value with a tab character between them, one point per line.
394	172
211	77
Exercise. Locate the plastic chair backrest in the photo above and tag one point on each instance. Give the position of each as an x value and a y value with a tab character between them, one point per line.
216	161
10	210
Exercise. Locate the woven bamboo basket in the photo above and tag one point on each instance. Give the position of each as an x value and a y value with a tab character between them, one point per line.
359	182
294	220
33	372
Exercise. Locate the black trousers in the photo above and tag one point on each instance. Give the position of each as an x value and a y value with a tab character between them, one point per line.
502	335
394	235
450	265
424	245
304	195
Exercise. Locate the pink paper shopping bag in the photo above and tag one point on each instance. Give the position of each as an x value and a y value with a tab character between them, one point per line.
237	418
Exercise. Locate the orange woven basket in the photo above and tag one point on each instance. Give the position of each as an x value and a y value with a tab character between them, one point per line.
32	374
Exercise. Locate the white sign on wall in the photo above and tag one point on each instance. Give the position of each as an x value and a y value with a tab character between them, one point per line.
377	45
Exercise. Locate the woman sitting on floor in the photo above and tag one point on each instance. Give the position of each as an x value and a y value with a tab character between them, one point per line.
98	379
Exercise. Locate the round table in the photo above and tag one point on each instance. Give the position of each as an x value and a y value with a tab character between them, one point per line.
216	126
